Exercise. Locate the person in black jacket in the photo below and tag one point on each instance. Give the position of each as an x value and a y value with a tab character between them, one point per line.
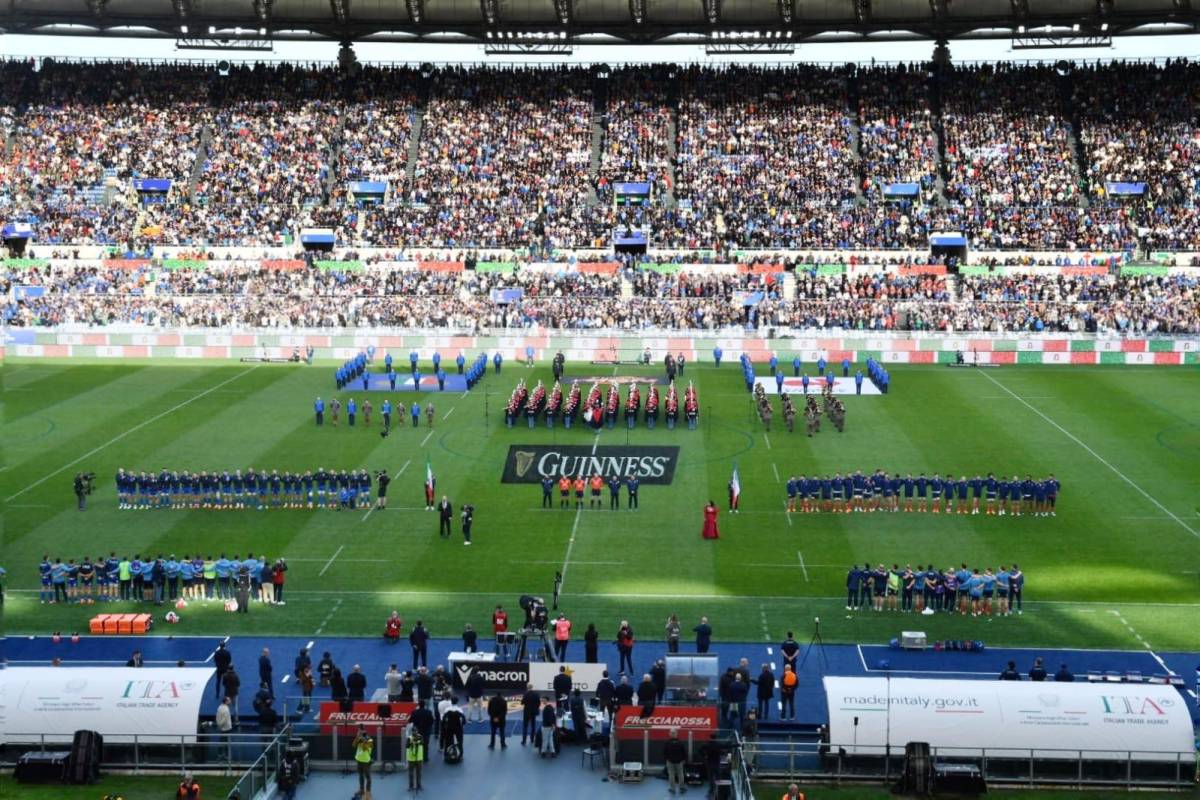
1010	673
624	692
766	691
266	671
591	644
562	687
356	684
423	682
419	639
475	687
231	682
658	674
703	633
606	690
223	661
302	661
422	720
445	516
579	717
337	685
470	639
675	754
407	686
531	701
453	722
268	717
1038	671
549	726
497	709
647	693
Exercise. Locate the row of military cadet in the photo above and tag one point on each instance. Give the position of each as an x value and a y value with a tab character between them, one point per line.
261	490
387	411
599	408
832	408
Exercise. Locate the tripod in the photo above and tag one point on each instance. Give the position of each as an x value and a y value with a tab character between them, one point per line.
523	642
820	645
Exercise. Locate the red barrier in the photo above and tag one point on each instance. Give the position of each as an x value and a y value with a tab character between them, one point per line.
700	721
331	716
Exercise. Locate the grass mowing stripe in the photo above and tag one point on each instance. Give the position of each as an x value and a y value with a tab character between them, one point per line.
134	429
1095	455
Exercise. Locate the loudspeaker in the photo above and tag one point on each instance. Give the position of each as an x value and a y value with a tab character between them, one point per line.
87	751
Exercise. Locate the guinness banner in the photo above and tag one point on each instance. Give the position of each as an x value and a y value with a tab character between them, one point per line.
531	463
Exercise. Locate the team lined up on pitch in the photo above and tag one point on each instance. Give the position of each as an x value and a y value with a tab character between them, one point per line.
261	490
878	492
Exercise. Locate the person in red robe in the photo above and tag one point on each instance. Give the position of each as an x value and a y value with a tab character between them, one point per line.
710	522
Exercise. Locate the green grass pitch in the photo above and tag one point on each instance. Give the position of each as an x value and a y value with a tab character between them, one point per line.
1116	566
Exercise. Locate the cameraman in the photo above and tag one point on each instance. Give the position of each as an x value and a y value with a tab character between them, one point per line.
83	487
383	480
468	516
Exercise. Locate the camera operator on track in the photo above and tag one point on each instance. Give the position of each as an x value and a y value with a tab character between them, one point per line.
82	488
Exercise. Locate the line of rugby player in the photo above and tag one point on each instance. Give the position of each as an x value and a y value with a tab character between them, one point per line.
965	590
878	492
259	490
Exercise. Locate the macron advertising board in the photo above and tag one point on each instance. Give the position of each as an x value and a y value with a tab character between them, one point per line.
115	702
1147	722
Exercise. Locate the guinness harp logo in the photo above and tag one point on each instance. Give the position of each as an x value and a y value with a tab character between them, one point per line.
524	462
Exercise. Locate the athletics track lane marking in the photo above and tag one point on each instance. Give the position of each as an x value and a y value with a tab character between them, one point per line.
1095	455
336	605
135	428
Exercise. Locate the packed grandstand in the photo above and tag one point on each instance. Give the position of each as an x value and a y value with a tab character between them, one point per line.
800	196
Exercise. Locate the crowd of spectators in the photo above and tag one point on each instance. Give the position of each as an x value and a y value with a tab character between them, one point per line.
1140	124
758	137
637	129
896	137
1007	140
764	155
632	299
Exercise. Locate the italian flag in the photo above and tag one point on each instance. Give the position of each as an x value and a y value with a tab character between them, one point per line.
429	483
735	489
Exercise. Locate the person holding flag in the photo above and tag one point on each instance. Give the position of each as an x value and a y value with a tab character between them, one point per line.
430	485
709	531
735	492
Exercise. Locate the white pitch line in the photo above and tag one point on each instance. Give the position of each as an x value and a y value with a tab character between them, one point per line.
570	546
333	557
775	469
1095	455
585	563
464	394
426	439
448	413
767	439
344	560
787	514
134	429
800	556
596	442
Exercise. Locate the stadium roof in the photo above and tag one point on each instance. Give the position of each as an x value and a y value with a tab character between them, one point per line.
597	21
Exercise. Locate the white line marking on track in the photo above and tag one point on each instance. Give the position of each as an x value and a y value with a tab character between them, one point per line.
426	439
134	429
800	556
1141	640
336	605
332	558
309	646
775	469
1095	455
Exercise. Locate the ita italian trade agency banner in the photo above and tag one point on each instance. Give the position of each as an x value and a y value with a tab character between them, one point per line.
116	702
1110	721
